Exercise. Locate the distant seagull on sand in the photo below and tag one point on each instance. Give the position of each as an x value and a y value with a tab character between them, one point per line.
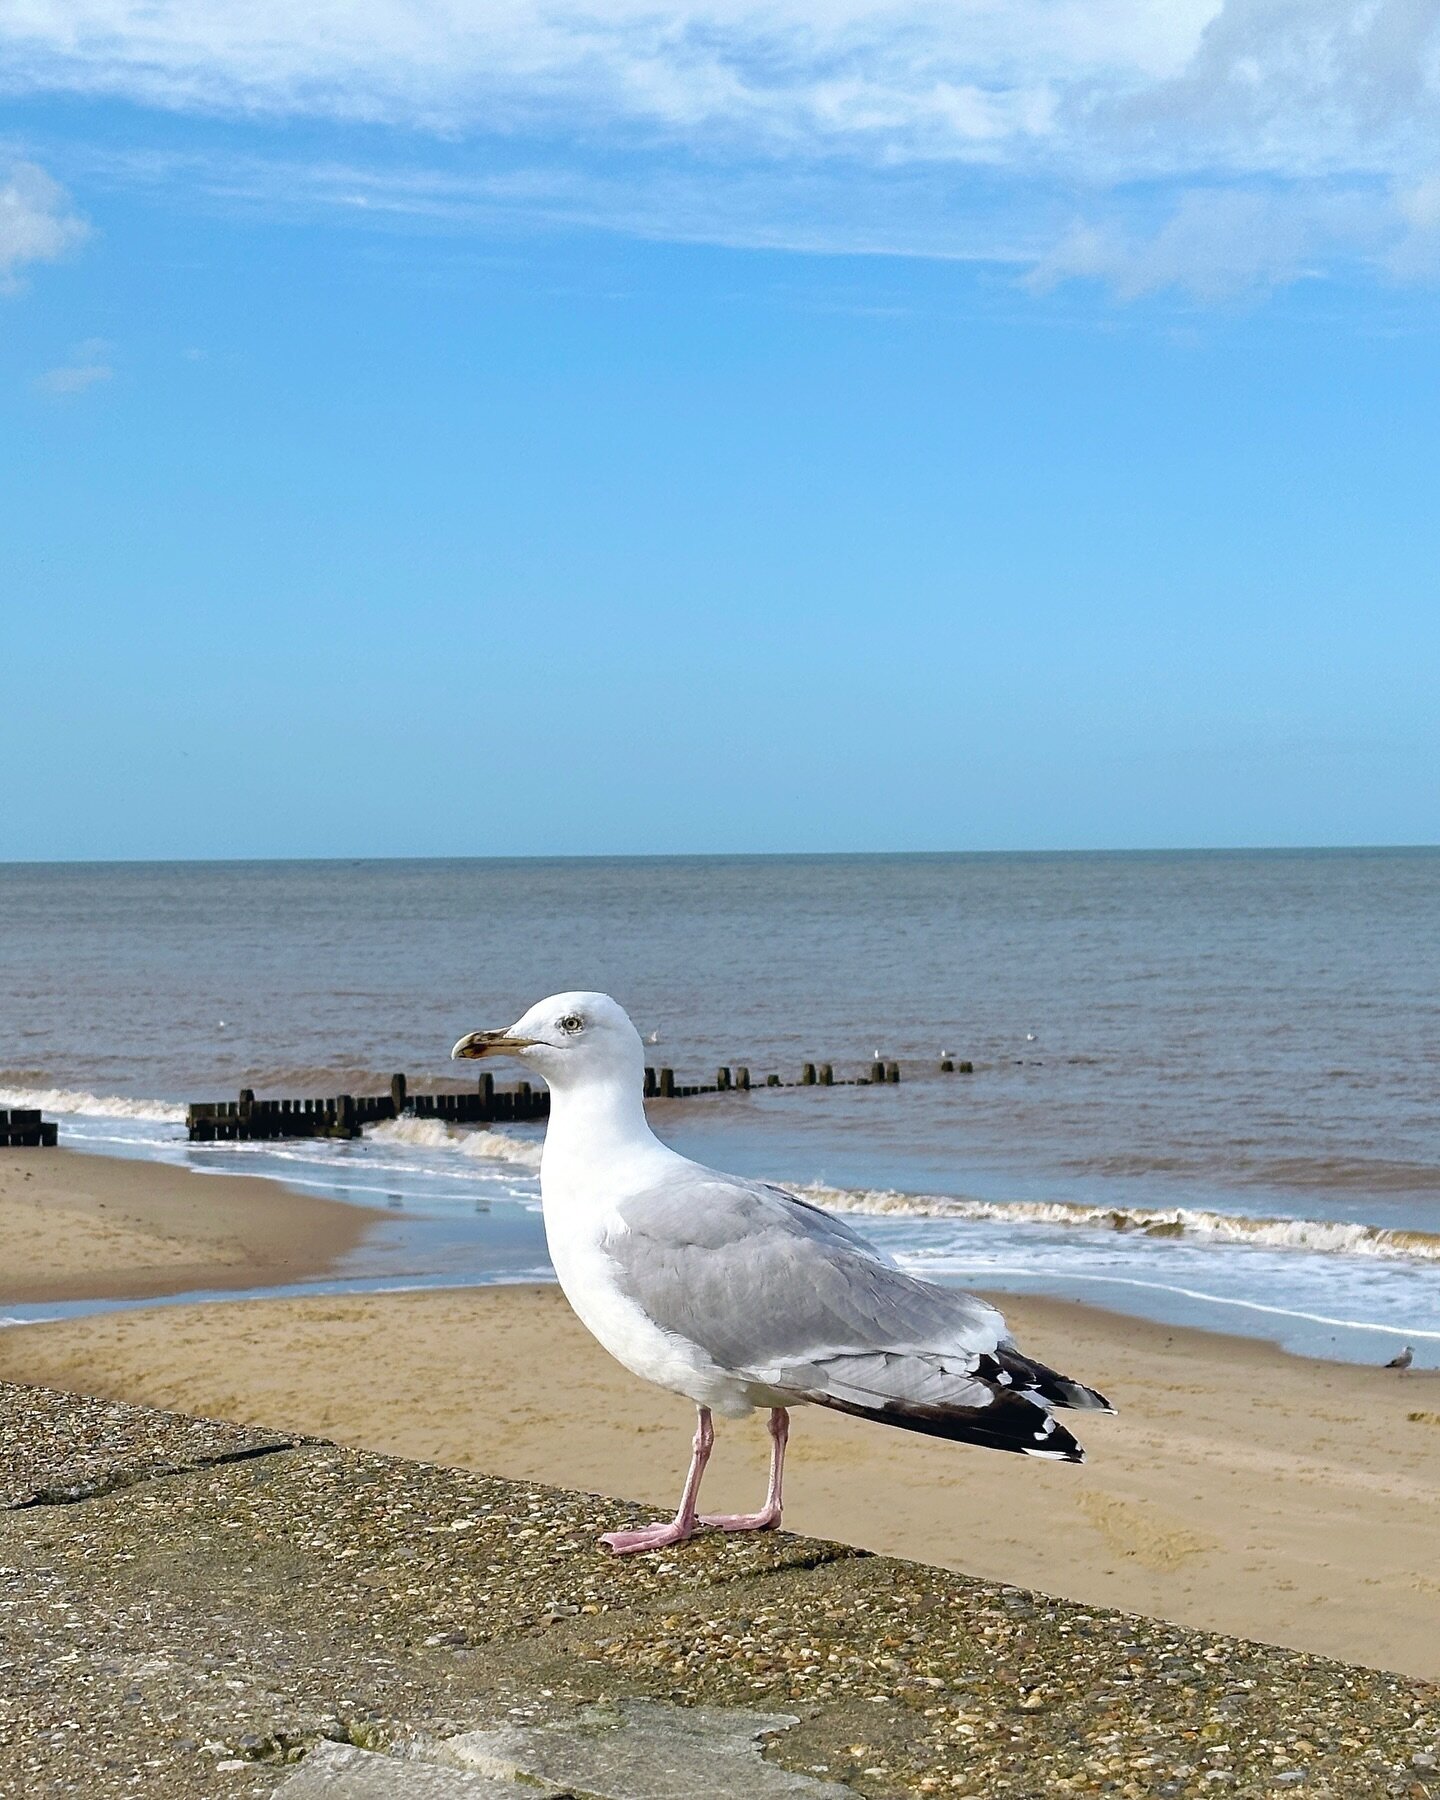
1403	1360
740	1295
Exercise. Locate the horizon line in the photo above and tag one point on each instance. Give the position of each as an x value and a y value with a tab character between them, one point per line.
132	862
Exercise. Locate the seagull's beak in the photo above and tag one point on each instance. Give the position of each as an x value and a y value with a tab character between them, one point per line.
488	1043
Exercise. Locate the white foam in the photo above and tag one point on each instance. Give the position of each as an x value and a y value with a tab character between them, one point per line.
98	1106
483	1142
1328	1237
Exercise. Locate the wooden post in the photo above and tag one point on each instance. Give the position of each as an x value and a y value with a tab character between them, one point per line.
345	1115
722	1080
650	1088
807	1075
827	1075
947	1066
877	1071
742	1079
772	1081
247	1102
667	1084
892	1071
967	1068
397	1094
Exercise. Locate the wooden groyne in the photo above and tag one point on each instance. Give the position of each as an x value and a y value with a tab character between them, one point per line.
346	1115
661	1084
22	1128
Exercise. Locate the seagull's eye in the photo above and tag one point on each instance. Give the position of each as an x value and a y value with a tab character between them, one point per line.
572	1022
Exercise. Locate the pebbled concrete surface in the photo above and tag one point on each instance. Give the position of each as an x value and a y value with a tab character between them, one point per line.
55	1451
187	1610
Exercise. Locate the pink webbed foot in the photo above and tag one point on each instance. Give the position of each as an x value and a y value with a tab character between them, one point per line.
761	1521
648	1537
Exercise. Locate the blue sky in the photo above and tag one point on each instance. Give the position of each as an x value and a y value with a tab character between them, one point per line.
860	427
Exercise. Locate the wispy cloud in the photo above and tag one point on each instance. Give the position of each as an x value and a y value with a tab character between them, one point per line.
1221	243
36	223
901	76
1215	146
86	369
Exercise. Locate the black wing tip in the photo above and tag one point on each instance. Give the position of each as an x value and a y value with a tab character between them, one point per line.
1074	1455
1012	1369
1013	1422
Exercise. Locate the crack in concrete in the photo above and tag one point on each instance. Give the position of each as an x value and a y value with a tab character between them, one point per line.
117	1481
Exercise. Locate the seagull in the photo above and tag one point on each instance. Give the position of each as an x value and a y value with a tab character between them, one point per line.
1403	1360
740	1295
654	1037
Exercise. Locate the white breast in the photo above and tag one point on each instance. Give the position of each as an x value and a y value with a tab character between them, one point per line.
587	1276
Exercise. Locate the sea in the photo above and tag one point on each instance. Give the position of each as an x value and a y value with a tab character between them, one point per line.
1205	1088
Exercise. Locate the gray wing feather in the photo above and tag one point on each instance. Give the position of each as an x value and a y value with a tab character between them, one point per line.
778	1290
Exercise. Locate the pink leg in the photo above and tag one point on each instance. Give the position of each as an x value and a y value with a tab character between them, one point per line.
682	1526
769	1517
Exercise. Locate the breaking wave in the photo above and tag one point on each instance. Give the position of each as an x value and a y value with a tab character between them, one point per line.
100	1106
1194	1225
1325	1236
483	1142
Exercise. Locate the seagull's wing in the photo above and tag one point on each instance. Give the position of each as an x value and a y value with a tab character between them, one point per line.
783	1294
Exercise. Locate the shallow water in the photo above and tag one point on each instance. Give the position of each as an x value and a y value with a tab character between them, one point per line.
1203	1092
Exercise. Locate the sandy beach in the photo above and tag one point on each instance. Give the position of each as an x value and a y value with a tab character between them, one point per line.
74	1227
1239	1489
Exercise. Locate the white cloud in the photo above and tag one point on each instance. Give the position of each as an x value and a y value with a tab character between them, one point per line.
36	224
1214	146
1416	255
926	78
87	368
1217	244
1307	86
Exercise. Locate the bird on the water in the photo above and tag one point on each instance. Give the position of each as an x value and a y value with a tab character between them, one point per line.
740	1295
1403	1360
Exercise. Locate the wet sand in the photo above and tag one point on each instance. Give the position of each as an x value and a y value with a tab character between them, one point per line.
74	1227
1239	1489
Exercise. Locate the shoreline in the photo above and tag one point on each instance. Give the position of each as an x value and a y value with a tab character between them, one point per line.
295	1235
1240	1489
76	1226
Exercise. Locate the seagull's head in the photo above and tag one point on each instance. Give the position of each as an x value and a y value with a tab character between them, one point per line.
568	1038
